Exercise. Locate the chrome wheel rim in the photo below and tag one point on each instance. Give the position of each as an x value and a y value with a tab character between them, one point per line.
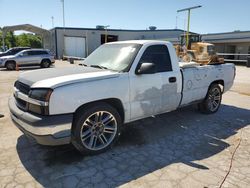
214	99
10	66
98	130
45	64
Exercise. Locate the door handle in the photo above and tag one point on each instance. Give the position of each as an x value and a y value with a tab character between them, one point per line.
172	79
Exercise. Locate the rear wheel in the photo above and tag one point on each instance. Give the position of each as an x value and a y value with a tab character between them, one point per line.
212	101
96	128
10	65
45	63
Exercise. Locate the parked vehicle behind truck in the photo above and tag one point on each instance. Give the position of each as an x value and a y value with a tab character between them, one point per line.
29	57
120	82
13	51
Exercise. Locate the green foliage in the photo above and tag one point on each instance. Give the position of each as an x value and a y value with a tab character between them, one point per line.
30	40
24	39
10	38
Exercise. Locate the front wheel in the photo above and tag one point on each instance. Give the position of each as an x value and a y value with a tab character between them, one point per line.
212	101
10	65
96	128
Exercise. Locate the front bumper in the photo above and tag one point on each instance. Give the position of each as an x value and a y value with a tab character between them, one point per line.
46	130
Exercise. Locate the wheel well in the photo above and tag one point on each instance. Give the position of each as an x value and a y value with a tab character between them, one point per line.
219	82
114	102
45	60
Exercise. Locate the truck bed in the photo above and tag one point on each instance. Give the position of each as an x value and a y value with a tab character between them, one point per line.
196	79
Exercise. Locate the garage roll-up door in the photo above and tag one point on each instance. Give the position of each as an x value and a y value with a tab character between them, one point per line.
75	46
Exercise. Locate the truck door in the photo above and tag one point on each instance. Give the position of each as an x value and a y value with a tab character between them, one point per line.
154	93
170	78
145	90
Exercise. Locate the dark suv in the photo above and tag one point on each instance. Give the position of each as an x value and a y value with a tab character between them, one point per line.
13	51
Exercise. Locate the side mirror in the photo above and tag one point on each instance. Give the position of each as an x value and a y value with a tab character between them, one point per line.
146	68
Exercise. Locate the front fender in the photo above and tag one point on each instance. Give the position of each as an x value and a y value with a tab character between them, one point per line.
68	98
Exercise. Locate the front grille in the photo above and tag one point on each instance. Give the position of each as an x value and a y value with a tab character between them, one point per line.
25	89
22	87
21	104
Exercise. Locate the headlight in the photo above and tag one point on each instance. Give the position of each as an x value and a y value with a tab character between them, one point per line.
39	101
40	94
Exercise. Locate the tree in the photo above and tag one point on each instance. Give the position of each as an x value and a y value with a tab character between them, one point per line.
24	39
28	39
11	39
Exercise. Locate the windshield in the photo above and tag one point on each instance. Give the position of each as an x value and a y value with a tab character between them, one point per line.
8	51
117	57
18	54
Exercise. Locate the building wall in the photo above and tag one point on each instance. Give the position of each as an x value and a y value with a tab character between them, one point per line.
236	48
242	48
93	37
237	42
237	36
53	41
231	42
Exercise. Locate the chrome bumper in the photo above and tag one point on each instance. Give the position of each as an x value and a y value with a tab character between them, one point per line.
46	130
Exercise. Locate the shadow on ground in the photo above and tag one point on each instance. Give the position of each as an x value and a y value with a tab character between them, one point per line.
145	146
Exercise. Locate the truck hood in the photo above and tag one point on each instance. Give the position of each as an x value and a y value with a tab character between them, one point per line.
55	77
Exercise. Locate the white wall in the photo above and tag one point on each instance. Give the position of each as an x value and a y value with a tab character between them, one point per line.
93	37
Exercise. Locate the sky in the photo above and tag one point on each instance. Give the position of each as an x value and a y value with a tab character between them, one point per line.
214	16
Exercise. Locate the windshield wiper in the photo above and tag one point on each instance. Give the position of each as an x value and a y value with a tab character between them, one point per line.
82	64
99	66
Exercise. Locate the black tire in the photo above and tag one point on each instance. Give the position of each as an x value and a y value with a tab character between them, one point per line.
10	65
96	128
45	63
212	102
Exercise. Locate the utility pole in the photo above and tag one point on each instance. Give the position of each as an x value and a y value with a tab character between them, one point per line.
63	13
3	41
63	26
52	21
176	22
189	12
106	33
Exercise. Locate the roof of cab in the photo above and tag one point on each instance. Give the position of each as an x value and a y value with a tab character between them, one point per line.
137	41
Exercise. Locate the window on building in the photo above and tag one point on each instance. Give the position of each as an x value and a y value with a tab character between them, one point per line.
159	55
108	38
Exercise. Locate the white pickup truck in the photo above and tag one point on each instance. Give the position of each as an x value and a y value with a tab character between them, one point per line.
120	82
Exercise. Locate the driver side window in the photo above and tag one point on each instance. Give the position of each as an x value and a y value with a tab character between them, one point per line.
158	55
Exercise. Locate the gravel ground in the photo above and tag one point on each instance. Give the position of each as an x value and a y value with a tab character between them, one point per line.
178	149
